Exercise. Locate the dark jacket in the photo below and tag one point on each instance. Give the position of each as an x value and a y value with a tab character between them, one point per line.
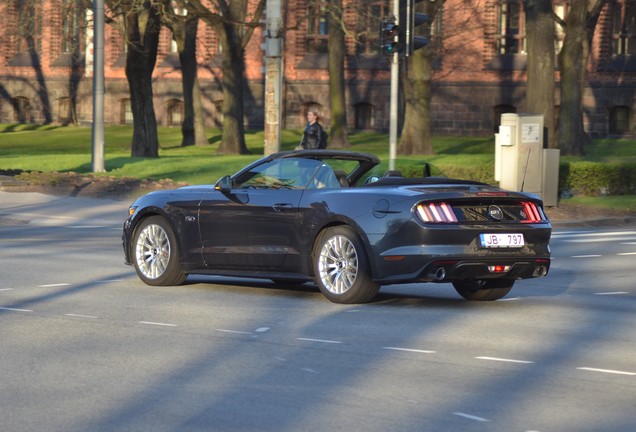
311	136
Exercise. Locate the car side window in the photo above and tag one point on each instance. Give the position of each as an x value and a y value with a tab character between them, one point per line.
289	173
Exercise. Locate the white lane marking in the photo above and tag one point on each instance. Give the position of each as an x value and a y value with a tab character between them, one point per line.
505	360
609	371
626	253
157	324
471	417
629	243
319	340
86	226
593	233
409	350
611	293
53	285
310	371
6	289
262	329
586	256
15	309
233	331
596	240
80	316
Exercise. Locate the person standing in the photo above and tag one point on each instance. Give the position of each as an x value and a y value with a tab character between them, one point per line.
314	137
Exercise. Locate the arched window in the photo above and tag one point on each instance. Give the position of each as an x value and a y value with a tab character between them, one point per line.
619	120
364	116
175	112
64	110
21	109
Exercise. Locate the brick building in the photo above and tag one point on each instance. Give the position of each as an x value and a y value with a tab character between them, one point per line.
46	67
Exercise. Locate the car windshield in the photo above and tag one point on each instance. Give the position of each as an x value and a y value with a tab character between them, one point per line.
290	173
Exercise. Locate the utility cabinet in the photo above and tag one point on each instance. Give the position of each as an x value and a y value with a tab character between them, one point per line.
521	162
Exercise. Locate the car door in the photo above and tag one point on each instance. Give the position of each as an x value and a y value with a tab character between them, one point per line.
252	225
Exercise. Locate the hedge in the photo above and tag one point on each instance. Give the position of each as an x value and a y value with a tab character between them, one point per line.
575	178
597	178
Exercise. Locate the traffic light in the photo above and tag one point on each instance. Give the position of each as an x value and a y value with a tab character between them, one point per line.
409	20
389	37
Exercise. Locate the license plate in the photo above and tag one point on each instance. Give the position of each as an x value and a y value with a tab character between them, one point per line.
501	240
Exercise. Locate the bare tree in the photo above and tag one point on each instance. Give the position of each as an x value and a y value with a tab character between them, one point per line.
579	25
184	28
337	51
540	37
416	131
142	24
234	25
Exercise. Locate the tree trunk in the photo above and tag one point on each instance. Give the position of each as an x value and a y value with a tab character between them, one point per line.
192	128
142	31
229	20
337	102
233	140
416	132
540	97
579	27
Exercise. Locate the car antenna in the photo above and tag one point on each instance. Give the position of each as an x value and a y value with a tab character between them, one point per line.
525	170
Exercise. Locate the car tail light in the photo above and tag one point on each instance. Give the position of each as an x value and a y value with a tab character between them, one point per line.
499	268
436	213
533	213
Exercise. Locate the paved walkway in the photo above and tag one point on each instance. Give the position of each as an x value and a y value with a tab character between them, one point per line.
38	209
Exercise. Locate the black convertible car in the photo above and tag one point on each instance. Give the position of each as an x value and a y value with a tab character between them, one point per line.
329	217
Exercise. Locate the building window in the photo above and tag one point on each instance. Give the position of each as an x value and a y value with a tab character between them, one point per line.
175	112
364	116
317	29
511	28
368	26
29	26
65	110
623	28
72	24
21	109
126	114
619	120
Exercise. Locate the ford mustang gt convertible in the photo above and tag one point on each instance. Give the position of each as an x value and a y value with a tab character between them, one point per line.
332	217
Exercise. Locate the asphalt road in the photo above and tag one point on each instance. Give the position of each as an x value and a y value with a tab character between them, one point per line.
85	346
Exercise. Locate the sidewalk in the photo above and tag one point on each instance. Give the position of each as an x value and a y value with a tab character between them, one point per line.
46	210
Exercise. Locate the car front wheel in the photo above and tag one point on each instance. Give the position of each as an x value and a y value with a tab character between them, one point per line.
483	289
341	267
156	254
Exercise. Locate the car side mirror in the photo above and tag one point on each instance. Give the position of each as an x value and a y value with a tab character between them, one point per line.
224	184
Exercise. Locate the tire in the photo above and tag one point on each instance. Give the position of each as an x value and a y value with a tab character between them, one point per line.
341	267
483	289
156	253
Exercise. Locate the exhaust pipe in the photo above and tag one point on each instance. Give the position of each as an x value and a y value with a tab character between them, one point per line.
541	271
438	275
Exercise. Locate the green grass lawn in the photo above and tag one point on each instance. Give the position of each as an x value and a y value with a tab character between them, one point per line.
69	149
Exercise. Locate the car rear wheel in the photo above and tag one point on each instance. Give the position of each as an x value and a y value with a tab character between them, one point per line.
341	267
483	289
156	254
